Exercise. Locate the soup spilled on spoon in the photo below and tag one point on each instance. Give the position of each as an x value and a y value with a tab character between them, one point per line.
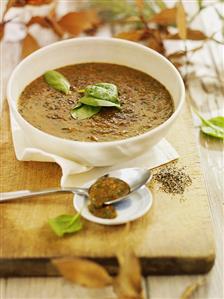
103	190
95	102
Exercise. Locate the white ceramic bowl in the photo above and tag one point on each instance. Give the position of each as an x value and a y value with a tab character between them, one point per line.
92	49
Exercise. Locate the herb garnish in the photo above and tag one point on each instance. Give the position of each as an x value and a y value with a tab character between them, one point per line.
84	111
213	127
96	96
57	81
66	224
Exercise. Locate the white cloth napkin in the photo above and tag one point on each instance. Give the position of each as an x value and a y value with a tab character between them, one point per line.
74	174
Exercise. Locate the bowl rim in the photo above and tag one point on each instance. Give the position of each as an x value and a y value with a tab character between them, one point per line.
109	40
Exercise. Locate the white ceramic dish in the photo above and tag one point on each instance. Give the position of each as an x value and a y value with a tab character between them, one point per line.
134	207
107	50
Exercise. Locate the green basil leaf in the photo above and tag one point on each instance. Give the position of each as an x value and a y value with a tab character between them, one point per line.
212	132
64	224
84	111
57	81
218	121
103	91
91	101
213	127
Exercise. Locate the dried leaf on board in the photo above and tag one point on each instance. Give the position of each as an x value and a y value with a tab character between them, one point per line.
181	21
135	35
83	272
166	16
78	22
191	34
128	282
188	292
29	45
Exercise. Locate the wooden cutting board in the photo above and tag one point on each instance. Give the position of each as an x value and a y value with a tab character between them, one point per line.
175	237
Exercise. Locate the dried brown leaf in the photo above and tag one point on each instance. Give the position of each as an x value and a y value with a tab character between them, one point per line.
29	45
128	282
156	45
179	54
55	26
191	34
38	20
181	20
135	36
47	22
191	289
2	25
78	22
155	41
165	17
83	272
31	2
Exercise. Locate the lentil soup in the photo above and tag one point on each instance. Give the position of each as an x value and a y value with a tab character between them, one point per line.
145	104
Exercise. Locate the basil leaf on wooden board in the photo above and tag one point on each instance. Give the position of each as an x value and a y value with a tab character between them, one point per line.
84	111
218	121
57	81
213	127
64	224
91	101
103	91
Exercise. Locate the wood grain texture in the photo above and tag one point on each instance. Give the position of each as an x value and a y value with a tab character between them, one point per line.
155	238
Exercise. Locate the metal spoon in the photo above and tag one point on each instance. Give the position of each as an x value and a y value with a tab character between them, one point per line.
134	177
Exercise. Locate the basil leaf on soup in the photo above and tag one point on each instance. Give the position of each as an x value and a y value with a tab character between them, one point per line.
84	111
66	224
213	127
103	91
57	81
91	101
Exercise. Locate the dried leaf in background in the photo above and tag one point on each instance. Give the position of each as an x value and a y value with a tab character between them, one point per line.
181	53
78	22
55	26
135	35
2	25
128	282
181	21
31	2
38	20
156	44
191	289
29	45
166	16
83	272
191	35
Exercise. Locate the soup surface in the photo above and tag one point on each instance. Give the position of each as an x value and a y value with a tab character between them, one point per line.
145	104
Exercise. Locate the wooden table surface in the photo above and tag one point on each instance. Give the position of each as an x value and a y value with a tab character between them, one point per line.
206	91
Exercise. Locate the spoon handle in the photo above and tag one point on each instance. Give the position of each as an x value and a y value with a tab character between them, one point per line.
5	196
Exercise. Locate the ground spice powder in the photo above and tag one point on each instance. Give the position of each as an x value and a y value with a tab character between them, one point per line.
172	179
